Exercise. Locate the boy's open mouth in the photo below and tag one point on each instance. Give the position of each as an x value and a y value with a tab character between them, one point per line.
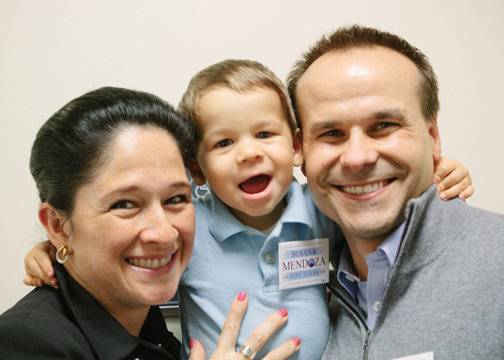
255	184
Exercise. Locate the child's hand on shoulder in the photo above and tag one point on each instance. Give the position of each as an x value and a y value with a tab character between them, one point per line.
452	179
38	265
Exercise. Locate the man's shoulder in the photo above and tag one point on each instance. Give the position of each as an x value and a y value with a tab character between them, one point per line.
475	219
454	215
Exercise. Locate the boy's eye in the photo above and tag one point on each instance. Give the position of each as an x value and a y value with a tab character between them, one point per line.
223	143
264	135
176	200
123	204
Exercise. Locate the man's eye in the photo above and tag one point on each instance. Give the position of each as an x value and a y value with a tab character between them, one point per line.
264	135
123	204
223	143
176	200
384	125
333	133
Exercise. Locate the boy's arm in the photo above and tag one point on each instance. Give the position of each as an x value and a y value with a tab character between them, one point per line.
452	179
38	265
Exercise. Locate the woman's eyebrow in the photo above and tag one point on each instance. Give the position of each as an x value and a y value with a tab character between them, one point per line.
132	188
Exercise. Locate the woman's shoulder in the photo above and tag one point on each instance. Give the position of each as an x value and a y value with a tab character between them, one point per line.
39	326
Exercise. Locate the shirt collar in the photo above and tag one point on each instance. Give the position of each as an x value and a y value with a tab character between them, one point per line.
391	244
346	268
107	337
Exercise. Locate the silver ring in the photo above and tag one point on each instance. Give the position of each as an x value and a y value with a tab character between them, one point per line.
247	352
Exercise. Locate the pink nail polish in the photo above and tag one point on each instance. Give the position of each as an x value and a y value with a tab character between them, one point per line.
282	313
242	296
191	344
296	341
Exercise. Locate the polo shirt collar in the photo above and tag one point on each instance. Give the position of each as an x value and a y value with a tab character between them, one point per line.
223	225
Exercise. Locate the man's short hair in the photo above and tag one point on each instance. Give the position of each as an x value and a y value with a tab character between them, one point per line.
239	75
356	36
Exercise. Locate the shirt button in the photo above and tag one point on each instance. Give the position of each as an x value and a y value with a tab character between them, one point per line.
270	258
376	306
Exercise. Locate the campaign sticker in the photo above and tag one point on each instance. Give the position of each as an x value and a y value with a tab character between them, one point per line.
303	263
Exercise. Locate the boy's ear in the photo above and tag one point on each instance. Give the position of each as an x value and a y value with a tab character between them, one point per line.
55	224
297	146
196	173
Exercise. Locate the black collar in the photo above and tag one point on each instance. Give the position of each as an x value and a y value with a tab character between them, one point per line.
106	336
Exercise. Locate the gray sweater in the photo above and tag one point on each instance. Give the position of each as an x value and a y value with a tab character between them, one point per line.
445	292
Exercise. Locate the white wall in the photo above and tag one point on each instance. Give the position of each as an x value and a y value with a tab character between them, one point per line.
53	51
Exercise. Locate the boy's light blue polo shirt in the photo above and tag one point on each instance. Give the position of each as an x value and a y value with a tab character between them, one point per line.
230	257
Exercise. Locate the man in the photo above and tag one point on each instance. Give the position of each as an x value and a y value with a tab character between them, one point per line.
413	275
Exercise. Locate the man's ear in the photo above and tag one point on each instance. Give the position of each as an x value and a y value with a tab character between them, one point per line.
196	173
297	146
435	139
55	224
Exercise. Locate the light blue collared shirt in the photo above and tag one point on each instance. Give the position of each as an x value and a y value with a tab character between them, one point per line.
368	293
229	257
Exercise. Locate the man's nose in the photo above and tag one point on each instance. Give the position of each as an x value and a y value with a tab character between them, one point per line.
359	152
248	151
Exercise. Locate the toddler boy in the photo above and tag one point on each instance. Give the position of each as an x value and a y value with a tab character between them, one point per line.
247	146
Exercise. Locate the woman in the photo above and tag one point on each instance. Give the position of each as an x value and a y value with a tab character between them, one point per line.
116	203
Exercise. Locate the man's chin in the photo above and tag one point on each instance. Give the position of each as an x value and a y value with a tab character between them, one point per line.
372	228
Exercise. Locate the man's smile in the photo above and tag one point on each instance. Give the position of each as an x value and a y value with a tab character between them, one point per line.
363	189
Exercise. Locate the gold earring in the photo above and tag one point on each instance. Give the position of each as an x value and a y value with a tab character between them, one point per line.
63	251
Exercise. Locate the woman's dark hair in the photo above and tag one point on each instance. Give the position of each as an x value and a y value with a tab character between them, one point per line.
71	146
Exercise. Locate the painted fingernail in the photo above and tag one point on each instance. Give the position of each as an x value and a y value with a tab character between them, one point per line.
242	296
53	281
462	196
296	341
191	344
443	196
282	313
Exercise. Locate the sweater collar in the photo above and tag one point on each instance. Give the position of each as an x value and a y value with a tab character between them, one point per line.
424	226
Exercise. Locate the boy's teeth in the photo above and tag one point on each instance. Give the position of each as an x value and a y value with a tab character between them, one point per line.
360	190
150	263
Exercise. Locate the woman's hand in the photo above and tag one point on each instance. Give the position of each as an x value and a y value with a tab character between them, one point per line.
452	179
227	342
38	265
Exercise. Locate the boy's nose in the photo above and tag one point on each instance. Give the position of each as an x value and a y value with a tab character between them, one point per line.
248	152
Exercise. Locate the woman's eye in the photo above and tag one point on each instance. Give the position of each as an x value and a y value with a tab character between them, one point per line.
177	200
223	143
123	204
264	135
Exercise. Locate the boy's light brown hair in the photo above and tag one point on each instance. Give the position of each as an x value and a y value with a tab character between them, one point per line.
239	75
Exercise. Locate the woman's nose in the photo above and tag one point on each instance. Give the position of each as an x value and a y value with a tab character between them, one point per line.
158	227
